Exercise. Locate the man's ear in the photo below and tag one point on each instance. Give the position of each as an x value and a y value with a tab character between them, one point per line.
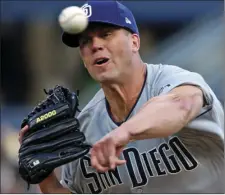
135	42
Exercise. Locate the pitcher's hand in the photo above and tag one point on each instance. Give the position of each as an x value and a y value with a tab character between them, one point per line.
22	132
105	153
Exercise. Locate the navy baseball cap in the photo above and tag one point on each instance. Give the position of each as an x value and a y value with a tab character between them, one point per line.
109	12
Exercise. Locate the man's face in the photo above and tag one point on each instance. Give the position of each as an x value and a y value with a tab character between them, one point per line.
107	51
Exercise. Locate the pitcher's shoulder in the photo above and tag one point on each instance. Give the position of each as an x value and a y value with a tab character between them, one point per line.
164	67
95	102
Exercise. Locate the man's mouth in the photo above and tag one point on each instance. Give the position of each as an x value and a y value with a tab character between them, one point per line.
101	61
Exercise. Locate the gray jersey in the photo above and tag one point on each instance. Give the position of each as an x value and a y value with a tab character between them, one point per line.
191	161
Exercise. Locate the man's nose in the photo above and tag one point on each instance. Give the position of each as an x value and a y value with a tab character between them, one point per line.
97	44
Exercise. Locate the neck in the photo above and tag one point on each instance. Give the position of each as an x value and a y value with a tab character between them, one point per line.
123	95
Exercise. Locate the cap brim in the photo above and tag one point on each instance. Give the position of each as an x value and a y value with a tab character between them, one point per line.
71	40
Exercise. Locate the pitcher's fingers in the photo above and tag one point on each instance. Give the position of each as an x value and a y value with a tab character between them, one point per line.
111	152
97	166
120	162
24	129
95	157
99	153
22	132
119	150
101	168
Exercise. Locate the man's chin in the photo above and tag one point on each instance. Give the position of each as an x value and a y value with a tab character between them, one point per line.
106	76
104	79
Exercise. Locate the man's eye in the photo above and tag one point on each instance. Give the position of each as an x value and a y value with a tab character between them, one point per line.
106	34
83	41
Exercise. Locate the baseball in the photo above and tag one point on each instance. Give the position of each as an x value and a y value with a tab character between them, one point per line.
73	20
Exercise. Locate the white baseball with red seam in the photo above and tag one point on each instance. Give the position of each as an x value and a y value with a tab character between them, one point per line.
73	20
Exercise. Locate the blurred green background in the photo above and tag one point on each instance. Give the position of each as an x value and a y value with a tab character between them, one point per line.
189	34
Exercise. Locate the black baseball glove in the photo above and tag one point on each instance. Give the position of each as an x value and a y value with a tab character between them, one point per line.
53	138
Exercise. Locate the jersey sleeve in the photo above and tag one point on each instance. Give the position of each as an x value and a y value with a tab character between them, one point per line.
211	117
67	178
171	77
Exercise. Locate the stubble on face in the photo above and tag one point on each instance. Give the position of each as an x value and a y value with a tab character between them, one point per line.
111	42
